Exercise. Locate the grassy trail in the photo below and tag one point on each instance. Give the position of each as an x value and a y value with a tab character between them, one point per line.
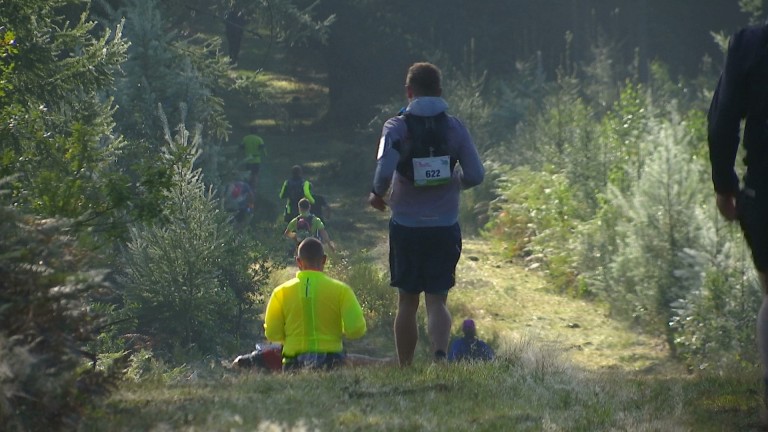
563	364
507	301
514	308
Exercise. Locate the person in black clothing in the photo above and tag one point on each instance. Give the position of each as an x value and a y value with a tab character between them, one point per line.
742	94
294	189
234	23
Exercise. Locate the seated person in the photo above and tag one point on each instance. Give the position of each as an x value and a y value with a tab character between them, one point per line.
469	347
311	314
307	225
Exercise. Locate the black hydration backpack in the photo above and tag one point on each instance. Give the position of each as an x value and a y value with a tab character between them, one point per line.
426	138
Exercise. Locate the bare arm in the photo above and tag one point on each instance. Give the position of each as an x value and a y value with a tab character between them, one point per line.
327	239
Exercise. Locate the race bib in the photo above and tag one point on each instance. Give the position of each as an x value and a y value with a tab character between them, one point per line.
431	171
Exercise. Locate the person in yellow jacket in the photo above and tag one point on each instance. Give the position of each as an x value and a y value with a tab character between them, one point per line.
312	313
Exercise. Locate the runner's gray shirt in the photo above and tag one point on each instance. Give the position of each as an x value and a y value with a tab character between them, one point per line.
426	205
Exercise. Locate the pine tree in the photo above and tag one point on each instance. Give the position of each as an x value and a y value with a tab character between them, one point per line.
48	377
657	221
165	67
55	129
714	322
176	293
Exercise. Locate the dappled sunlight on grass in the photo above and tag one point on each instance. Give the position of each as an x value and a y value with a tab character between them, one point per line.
505	299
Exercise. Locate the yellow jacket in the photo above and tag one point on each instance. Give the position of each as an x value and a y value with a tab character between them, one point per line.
311	313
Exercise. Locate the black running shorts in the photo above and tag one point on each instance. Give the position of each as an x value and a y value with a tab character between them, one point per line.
753	216
423	259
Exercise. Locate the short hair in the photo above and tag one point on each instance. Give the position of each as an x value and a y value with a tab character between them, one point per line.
424	79
311	252
296	171
304	204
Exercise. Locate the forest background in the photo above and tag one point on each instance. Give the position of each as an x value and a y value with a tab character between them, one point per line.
120	130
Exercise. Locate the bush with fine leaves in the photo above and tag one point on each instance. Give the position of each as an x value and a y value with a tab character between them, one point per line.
45	323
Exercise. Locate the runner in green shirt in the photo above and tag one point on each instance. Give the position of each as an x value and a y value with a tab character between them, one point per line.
307	225
253	146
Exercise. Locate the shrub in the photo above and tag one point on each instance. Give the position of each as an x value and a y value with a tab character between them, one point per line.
45	324
371	286
657	221
714	322
535	214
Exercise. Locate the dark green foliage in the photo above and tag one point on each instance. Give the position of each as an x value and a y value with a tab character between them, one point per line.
189	281
246	269
172	281
48	380
164	66
56	127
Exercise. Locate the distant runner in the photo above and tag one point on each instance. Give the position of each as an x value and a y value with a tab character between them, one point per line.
294	189
254	149
239	201
307	225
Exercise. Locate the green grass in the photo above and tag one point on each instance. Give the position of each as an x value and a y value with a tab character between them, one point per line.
526	389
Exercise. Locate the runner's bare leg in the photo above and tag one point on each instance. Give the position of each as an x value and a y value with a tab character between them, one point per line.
406	329
438	322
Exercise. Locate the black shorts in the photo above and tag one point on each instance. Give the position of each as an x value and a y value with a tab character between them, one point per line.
753	217
423	259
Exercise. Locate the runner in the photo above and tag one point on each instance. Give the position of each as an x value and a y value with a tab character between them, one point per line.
307	225
294	189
